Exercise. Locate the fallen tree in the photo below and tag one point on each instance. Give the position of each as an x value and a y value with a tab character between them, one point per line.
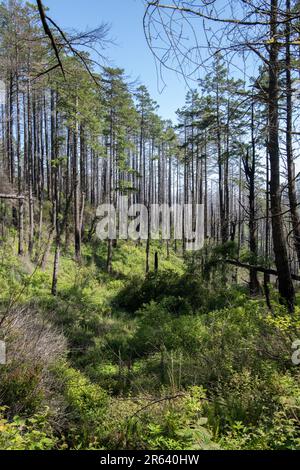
259	269
11	196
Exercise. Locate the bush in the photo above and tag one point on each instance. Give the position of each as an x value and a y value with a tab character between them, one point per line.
33	346
26	434
86	405
187	293
167	423
141	291
280	433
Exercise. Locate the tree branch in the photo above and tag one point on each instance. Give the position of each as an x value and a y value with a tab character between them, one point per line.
49	34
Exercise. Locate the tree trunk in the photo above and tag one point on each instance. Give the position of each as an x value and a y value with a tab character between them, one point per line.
285	284
289	141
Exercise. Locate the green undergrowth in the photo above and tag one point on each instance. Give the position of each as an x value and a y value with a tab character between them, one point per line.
171	360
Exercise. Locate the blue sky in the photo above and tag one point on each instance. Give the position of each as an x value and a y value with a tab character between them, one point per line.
131	51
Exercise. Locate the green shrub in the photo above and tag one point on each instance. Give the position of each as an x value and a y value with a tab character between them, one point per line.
280	433
187	293
141	291
26	434
86	405
167	423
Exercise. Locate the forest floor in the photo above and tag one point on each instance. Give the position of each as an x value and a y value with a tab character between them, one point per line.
171	360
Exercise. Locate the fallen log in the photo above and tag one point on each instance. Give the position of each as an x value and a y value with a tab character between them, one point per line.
11	196
259	269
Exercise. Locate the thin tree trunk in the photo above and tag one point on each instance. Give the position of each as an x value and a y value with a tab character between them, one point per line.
289	142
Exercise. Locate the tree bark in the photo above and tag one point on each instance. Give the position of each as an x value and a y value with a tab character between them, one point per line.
285	284
289	142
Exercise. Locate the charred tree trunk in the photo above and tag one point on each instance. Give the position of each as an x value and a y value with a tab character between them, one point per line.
285	284
289	141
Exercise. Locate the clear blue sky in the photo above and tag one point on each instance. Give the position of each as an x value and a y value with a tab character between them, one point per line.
131	51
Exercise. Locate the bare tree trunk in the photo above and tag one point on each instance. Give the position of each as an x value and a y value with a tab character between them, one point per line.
285	284
254	284
289	141
30	175
21	201
267	235
77	231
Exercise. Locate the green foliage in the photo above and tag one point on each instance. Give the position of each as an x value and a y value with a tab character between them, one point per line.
178	426
20	387
281	433
86	406
185	294
170	423
161	334
141	291
26	434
